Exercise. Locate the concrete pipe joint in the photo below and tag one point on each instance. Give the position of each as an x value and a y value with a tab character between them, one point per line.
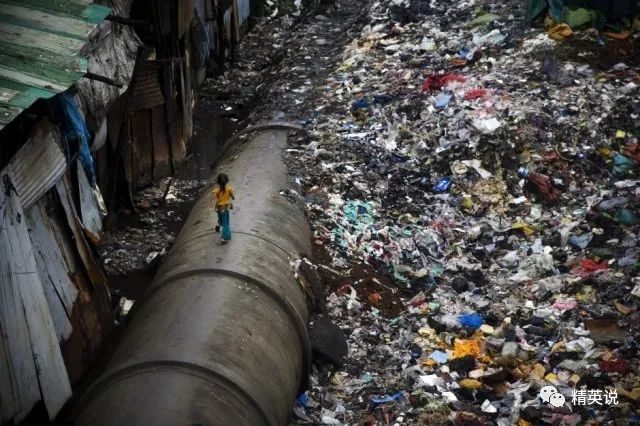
221	336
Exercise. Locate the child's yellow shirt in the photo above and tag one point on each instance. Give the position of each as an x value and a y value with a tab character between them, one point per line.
223	198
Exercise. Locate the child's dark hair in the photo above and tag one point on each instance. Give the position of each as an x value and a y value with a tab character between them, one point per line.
222	181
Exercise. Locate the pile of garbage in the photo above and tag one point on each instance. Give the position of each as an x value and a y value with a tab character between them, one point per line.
495	187
141	239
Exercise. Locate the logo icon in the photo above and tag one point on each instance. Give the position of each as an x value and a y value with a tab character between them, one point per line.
549	394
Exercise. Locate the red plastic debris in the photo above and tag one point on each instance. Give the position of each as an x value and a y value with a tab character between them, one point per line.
614	366
633	151
436	82
592	266
545	188
475	94
452	78
587	267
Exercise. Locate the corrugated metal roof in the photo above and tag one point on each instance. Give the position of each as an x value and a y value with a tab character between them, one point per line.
38	165
40	42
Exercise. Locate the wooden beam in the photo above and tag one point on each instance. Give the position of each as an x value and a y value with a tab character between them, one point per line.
103	79
128	21
236	23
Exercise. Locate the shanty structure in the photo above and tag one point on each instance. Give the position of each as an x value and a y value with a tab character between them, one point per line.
53	296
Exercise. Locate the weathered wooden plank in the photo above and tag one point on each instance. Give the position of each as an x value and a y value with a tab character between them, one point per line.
95	274
142	144
19	265
161	164
64	241
187	95
89	211
54	275
171	114
235	21
19	390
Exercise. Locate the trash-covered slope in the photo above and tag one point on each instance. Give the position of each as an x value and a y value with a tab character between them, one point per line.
473	186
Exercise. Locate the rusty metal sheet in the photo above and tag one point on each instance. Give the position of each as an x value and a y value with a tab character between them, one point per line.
88	317
41	149
97	278
146	92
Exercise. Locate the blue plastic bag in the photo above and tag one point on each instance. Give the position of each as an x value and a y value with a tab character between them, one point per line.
360	104
387	398
443	185
443	100
472	321
439	357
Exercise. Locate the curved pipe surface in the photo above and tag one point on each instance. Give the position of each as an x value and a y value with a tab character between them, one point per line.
221	337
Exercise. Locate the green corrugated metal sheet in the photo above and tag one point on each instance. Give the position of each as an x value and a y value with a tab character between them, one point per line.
40	42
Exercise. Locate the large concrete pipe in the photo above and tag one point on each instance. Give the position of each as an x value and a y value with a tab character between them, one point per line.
221	337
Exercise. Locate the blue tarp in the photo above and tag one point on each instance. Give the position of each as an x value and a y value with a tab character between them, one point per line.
74	127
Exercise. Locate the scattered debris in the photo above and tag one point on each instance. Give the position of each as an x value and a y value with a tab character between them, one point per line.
490	177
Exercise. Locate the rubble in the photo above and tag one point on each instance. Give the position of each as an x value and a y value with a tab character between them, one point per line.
146	236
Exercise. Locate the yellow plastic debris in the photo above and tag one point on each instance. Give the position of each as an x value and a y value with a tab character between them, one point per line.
466	203
466	347
429	362
574	379
522	422
559	32
338	378
470	384
621	134
537	373
557	346
525	228
633	395
622	308
426	331
551	378
605	152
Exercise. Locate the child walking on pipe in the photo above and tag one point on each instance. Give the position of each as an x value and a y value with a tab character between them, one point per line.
221	199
